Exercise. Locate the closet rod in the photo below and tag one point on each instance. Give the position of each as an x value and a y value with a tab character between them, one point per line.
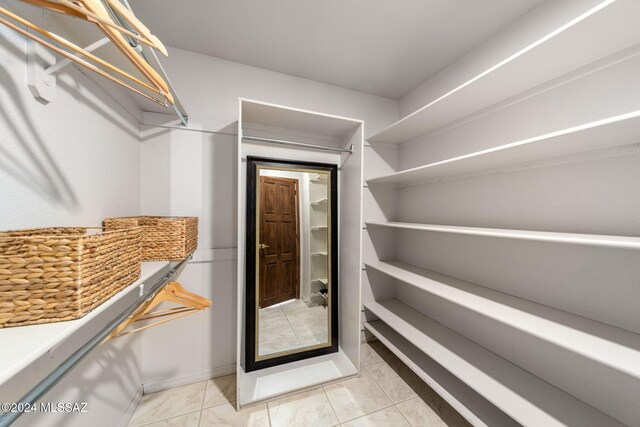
177	106
7	418
298	144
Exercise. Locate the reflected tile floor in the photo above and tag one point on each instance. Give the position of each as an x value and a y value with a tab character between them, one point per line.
387	394
290	325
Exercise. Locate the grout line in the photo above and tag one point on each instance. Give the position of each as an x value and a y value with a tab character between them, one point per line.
376	382
402	414
170	418
268	413
206	386
331	406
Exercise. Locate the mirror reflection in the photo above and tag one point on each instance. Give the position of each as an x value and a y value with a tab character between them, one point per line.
293	224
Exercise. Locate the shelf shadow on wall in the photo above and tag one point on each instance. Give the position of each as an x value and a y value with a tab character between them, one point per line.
118	367
76	89
39	172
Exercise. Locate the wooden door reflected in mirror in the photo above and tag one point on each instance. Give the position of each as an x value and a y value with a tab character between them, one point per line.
291	270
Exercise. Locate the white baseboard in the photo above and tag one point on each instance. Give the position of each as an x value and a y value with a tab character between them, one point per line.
165	384
126	418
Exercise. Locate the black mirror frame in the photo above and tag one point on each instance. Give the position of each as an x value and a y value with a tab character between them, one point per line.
251	364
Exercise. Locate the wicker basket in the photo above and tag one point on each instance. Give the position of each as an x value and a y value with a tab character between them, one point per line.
55	274
163	237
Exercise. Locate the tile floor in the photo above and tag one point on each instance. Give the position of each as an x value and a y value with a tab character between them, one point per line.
386	394
290	325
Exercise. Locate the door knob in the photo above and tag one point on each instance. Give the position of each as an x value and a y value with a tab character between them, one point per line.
263	246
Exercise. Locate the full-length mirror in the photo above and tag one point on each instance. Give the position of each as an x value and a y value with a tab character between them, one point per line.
291	261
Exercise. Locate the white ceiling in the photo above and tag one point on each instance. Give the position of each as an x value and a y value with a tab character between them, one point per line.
382	47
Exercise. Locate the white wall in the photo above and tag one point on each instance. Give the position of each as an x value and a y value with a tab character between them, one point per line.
198	171
74	162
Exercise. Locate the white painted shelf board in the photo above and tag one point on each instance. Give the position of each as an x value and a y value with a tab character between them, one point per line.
619	242
319	254
324	281
23	345
269	383
613	131
319	228
272	115
473	407
321	202
613	347
524	397
532	65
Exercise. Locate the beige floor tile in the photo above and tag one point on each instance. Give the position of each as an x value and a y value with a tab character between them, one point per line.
225	415
397	380
432	411
388	417
308	409
374	352
168	404
188	420
273	321
320	312
220	390
356	397
421	412
276	340
294	306
304	318
311	333
390	382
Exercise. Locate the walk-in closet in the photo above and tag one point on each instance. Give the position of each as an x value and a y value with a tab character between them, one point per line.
304	214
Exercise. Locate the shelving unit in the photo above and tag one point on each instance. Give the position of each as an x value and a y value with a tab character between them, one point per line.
318	191
527	399
610	132
607	347
619	242
496	83
344	136
521	340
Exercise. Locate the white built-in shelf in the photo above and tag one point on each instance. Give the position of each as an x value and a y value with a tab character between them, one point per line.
324	281
611	347
601	134
472	406
619	242
319	254
29	353
321	202
524	397
533	64
297	120
319	228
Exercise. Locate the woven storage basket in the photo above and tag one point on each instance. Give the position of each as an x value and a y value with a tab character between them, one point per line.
55	274
163	237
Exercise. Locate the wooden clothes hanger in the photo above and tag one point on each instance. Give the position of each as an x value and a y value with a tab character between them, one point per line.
97	8
173	292
95	11
75	10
